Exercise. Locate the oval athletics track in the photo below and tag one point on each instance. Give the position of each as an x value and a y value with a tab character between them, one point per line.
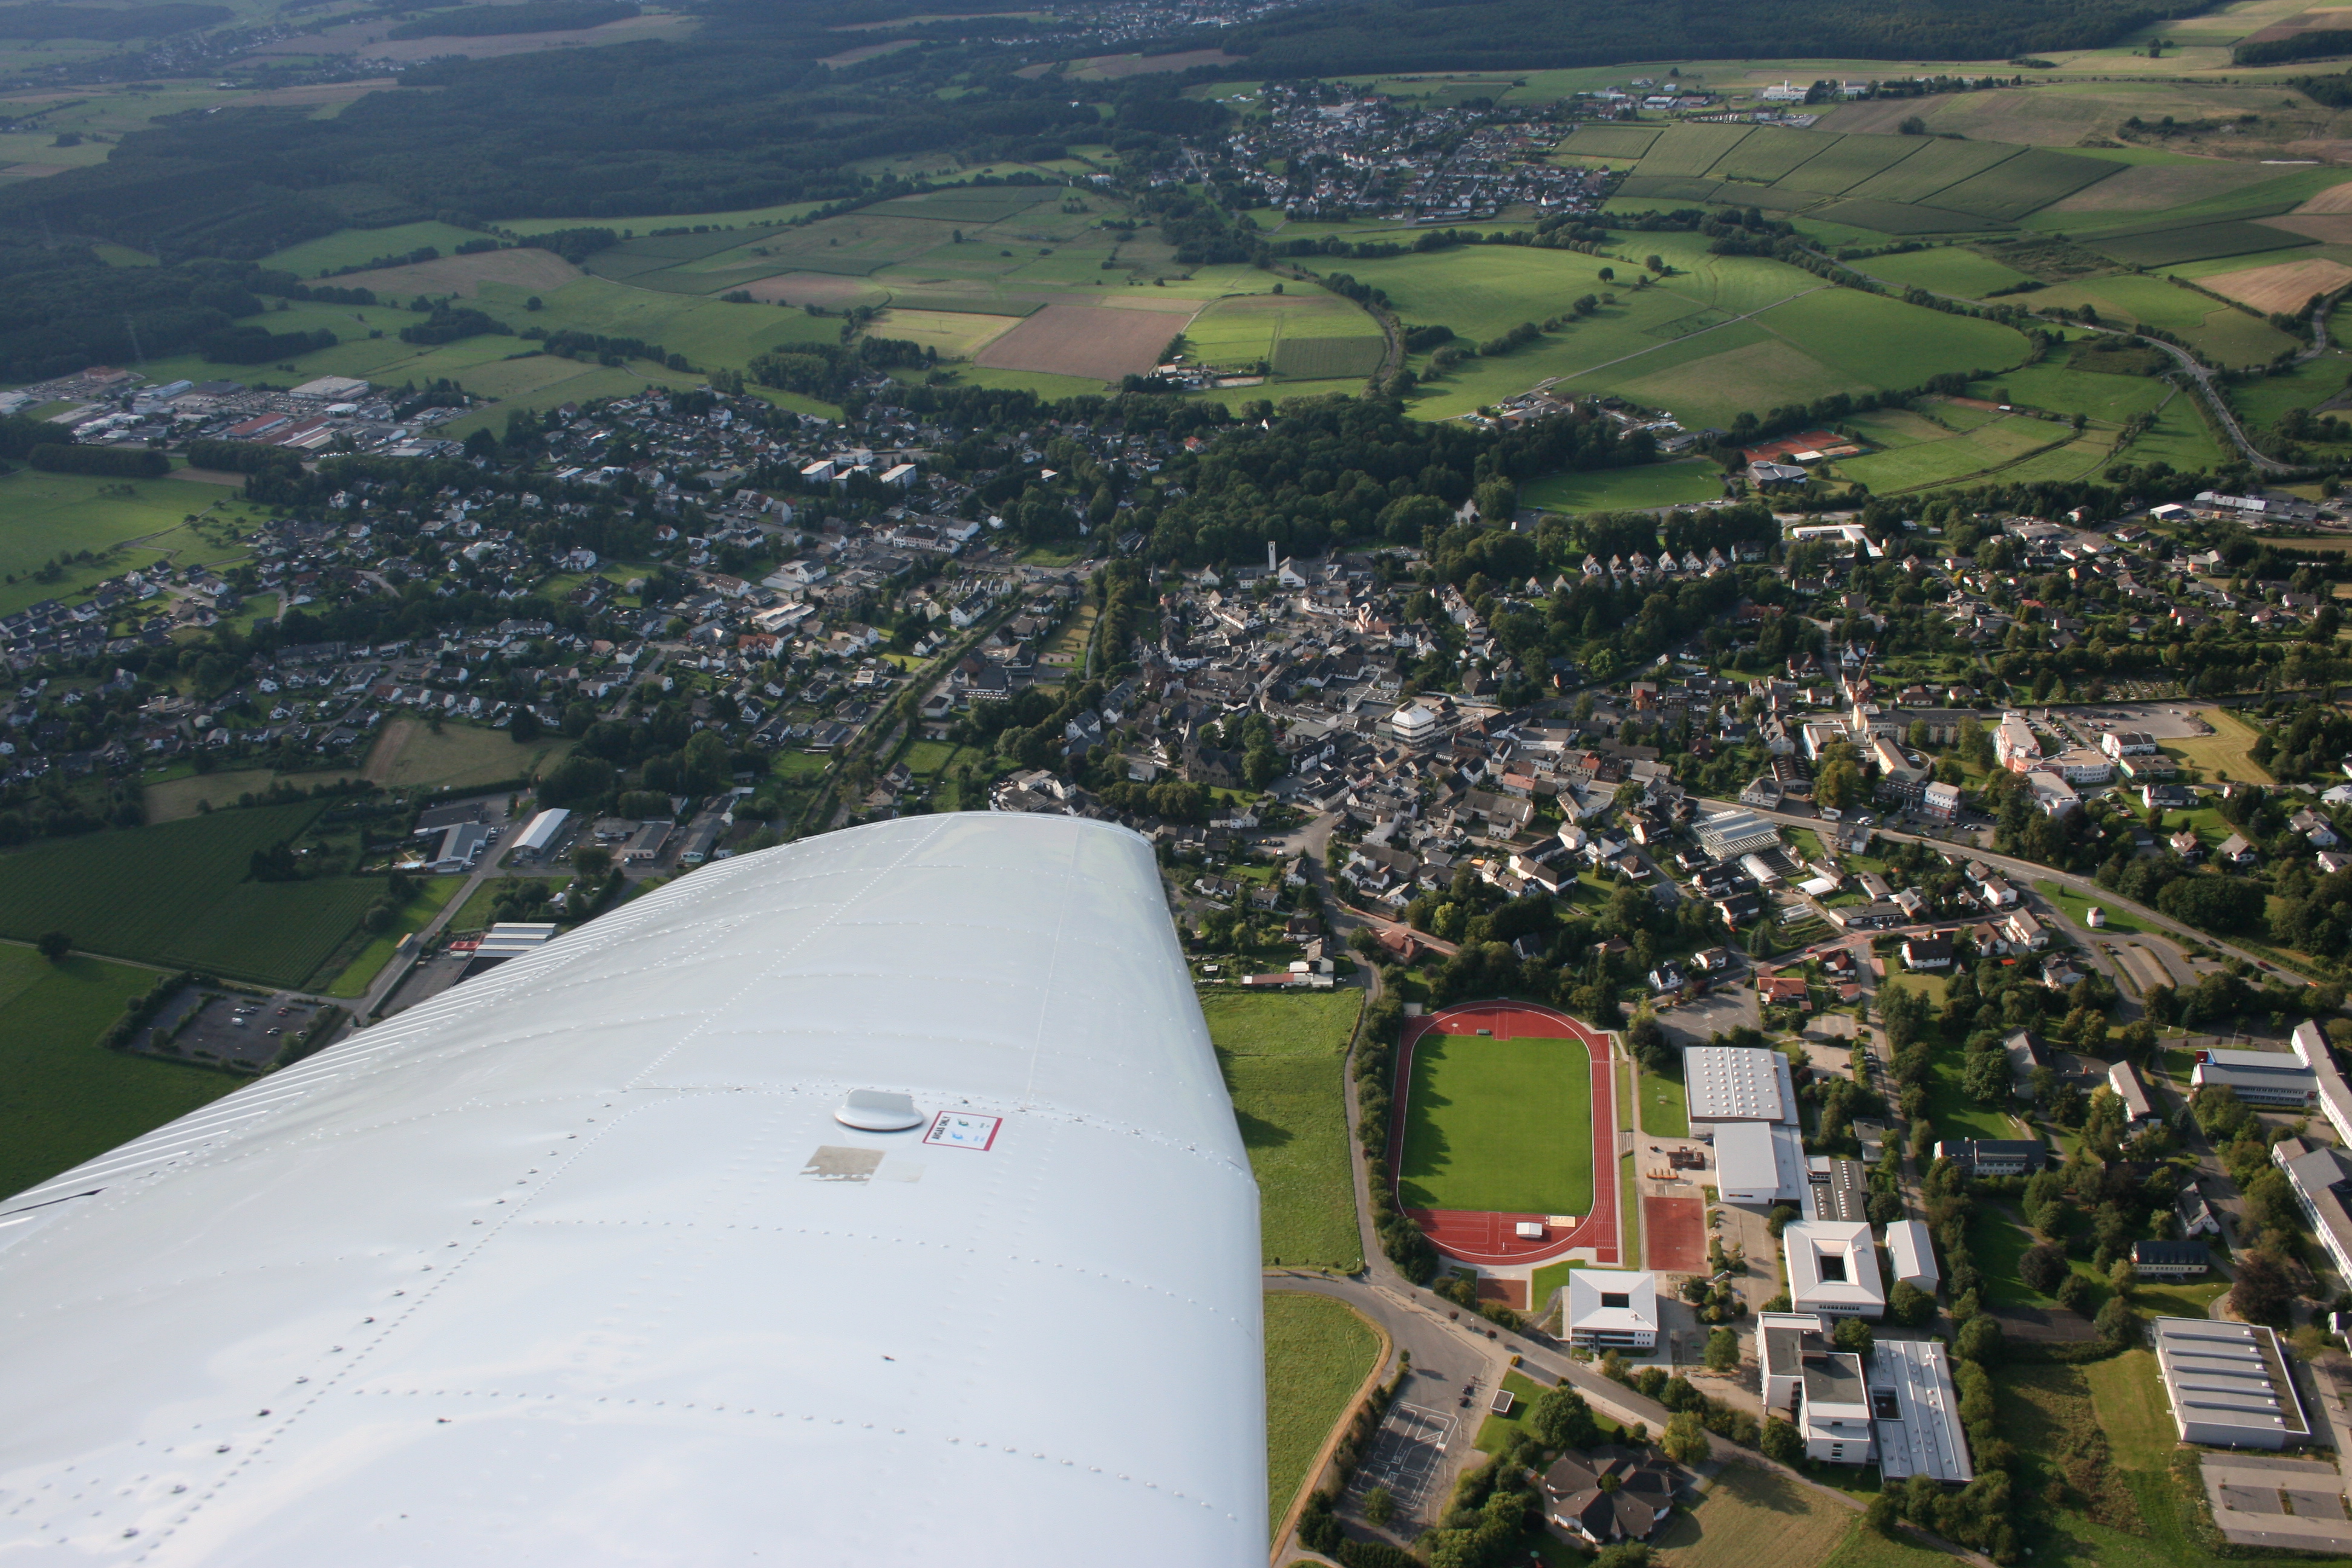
1480	1236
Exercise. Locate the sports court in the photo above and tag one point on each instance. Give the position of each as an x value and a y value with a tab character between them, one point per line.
1675	1231
1490	1235
1407	1456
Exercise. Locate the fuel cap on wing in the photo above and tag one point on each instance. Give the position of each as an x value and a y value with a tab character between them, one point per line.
876	1110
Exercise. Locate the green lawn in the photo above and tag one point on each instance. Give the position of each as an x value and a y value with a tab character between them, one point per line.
66	1098
1549	1279
1317	1353
1665	1108
1284	1065
1503	1125
360	971
1494	1431
1865	1548
1953	1111
2129	1399
1934	988
2078	908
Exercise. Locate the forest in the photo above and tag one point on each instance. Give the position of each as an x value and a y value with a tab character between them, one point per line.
1469	35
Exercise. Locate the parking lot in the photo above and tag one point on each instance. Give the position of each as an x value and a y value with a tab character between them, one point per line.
2264	1501
233	1029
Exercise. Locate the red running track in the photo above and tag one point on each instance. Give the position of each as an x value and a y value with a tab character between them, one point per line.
1469	1235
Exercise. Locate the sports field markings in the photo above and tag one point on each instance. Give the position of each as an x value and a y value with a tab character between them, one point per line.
1408	1456
1488	1236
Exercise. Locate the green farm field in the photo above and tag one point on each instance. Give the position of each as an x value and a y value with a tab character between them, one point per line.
1681	343
68	1098
358	246
1239	331
1944	269
177	895
1284	1062
1935	455
1317	1353
1501	1125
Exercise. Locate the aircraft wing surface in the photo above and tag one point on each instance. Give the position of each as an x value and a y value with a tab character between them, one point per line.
579	1262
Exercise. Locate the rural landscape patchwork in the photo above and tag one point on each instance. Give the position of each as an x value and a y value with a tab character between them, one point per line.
1726	624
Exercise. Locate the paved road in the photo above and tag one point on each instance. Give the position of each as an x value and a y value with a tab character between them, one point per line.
2027	872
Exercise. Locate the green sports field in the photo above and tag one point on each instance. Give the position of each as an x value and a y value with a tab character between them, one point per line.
1499	1125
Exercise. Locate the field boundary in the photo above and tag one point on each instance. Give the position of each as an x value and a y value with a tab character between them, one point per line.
1481	1237
1322	1459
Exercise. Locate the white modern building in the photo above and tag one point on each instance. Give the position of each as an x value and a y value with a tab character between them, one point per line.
1744	1101
1728	835
1833	1268
2273	1079
1725	1083
2229	1384
2312	1050
1759	1164
1898	1407
1414	725
1612	1308
1916	1413
1912	1252
537	837
1815	1387
593	1208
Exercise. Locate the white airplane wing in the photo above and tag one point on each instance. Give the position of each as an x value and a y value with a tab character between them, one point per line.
582	1263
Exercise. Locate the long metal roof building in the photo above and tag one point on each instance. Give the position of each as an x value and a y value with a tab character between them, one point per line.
584	1262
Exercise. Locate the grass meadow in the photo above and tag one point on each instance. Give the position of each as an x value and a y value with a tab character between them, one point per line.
411	753
2078	908
1751	1519
360	972
177	895
46	515
2225	752
68	1098
1503	1125
1317	1353
1283	1058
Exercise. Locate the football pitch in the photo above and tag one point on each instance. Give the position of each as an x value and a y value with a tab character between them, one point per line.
1499	1125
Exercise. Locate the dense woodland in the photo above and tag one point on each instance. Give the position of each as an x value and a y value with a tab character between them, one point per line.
1452	34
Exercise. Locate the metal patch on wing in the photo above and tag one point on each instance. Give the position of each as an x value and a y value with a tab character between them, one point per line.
836	1163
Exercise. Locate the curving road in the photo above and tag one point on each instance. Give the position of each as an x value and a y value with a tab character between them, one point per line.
2200	373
